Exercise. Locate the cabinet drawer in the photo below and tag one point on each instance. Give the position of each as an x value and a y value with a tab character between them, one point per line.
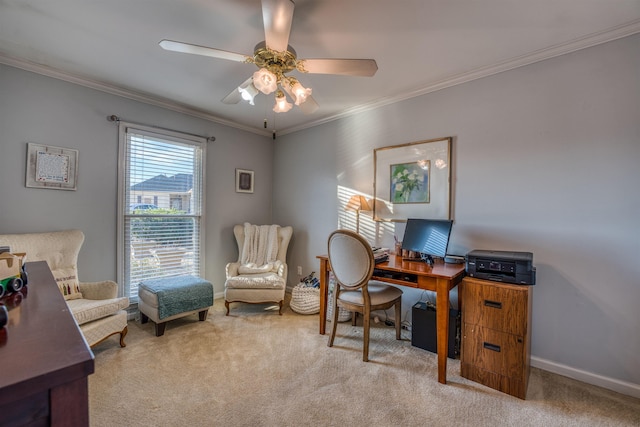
495	351
495	305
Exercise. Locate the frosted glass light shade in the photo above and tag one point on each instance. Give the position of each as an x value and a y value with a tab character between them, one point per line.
248	93
265	81
300	93
282	105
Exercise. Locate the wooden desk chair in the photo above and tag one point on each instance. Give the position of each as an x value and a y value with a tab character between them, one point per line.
352	264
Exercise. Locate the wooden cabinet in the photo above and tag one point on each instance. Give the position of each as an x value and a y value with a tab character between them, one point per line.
45	359
496	334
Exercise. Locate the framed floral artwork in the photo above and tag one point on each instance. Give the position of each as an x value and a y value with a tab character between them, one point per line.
412	180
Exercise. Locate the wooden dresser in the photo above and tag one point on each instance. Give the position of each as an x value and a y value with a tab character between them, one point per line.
496	334
45	359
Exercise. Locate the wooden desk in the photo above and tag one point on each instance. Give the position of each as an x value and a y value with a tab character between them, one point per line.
45	359
440	278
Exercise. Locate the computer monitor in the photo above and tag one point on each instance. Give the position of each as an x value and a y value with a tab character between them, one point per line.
428	237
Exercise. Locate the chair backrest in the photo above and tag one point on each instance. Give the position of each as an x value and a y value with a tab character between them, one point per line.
59	249
284	237
351	259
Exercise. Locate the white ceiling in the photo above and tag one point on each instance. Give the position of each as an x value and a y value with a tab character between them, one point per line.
419	45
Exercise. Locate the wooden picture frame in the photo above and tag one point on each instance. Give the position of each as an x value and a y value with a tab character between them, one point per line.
54	168
244	181
412	180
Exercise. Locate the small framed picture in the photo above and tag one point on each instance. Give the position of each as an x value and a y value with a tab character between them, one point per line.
244	181
51	167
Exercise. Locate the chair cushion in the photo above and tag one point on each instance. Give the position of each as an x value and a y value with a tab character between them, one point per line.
256	281
67	280
86	310
257	269
379	294
94	332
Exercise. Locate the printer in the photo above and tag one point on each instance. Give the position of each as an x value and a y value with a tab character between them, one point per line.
501	266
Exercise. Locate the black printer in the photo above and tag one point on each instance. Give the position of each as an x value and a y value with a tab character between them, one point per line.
501	266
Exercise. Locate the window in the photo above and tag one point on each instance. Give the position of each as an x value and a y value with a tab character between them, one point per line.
160	221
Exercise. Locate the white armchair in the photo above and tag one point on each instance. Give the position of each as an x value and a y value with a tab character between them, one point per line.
94	305
258	282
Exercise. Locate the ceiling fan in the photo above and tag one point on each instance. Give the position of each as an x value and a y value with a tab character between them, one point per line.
275	59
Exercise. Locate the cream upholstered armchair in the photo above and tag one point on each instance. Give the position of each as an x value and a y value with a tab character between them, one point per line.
260	274
95	306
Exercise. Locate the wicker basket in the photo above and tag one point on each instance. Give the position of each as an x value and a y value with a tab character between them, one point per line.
343	315
305	299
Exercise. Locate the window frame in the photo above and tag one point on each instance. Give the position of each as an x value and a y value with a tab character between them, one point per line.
164	135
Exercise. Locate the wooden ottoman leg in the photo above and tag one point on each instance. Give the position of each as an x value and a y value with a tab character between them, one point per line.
160	328
202	315
143	318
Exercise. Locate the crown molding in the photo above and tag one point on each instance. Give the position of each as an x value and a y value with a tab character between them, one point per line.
122	92
590	40
580	43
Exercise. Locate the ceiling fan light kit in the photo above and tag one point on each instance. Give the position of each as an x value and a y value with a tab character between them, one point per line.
265	81
282	105
273	66
275	58
248	92
300	93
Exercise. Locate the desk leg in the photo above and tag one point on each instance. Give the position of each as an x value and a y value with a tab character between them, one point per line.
442	322
324	293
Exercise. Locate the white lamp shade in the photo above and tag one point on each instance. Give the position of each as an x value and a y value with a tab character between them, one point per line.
358	203
282	105
265	81
300	93
248	93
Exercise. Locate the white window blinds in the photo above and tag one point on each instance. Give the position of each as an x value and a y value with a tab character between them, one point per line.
161	206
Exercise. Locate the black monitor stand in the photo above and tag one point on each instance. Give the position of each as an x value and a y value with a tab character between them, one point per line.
423	257
427	258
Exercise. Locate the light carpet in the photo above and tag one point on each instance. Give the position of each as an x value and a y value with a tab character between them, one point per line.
256	368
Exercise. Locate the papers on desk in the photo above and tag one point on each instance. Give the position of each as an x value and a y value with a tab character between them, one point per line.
380	254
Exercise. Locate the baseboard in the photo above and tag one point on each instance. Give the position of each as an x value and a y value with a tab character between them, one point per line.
623	387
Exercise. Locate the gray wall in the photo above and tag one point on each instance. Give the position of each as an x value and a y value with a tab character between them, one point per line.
42	110
545	159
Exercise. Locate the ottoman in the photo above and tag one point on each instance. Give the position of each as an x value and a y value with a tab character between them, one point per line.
168	298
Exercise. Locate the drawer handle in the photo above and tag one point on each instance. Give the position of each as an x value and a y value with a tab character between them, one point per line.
493	304
491	347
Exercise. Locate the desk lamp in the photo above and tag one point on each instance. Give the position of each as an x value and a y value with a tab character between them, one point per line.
358	203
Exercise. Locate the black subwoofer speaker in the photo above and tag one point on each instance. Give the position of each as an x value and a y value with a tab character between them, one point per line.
423	329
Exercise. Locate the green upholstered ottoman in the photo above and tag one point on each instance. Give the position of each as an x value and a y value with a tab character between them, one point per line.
168	298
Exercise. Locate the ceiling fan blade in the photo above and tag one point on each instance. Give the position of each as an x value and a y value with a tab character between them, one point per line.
235	96
309	105
346	67
277	16
201	50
